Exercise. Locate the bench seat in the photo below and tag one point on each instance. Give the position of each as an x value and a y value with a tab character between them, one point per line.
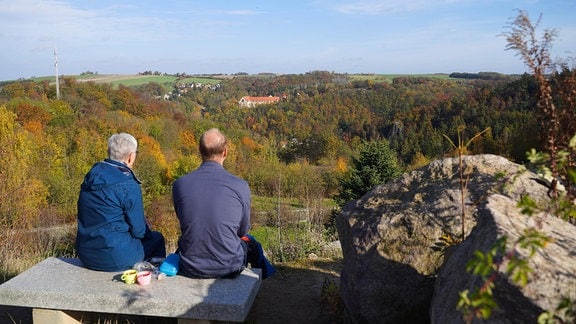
64	285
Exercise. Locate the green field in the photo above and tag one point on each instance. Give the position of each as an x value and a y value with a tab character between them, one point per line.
389	77
137	80
133	80
144	79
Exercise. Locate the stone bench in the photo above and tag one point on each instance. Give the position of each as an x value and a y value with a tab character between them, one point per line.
60	290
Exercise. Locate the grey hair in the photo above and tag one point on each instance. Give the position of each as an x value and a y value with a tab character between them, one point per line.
121	145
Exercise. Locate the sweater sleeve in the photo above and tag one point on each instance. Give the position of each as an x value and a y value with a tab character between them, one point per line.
246	203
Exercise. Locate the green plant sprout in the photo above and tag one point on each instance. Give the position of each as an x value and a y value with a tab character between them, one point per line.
462	149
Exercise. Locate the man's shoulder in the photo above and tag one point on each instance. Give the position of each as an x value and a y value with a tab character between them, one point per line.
104	174
240	185
237	178
187	178
208	172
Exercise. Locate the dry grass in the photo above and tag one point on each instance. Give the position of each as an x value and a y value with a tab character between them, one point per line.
22	248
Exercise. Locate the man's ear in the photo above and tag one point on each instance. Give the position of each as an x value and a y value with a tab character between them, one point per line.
131	159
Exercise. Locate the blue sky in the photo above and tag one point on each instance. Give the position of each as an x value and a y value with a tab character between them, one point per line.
295	36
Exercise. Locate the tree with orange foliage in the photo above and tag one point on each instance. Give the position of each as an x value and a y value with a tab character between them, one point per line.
21	195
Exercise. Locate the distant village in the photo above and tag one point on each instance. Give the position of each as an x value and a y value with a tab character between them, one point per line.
245	102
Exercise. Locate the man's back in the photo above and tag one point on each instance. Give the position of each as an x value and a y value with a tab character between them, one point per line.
213	208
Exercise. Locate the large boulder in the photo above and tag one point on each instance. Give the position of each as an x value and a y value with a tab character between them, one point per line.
390	236
553	267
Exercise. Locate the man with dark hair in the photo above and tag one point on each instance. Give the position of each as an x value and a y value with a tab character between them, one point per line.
213	208
113	233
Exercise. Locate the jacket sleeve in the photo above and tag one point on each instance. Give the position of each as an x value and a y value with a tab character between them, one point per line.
134	211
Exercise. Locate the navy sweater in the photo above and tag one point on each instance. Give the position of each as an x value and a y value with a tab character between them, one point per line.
213	207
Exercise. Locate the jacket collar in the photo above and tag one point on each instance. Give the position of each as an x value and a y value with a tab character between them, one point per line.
122	167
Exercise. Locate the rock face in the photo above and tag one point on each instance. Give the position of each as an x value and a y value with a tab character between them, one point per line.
553	268
390	236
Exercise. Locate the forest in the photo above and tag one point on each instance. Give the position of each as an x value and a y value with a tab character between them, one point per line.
297	149
295	154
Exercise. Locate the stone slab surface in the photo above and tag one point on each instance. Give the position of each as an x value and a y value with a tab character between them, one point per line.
63	284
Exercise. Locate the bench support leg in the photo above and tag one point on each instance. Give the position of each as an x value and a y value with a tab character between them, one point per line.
40	315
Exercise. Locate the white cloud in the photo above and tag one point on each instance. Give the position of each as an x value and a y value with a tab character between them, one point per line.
383	7
241	12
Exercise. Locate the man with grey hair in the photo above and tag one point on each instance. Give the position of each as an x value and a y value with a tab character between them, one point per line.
113	233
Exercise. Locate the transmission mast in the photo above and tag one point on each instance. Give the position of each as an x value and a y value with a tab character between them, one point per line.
56	69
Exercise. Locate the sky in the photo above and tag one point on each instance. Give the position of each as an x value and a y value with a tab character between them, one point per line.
270	36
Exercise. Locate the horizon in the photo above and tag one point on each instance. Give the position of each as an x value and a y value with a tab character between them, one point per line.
117	77
344	36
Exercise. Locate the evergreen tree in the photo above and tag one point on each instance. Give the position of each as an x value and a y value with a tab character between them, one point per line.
376	164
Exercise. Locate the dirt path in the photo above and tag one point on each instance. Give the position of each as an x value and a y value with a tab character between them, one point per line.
295	294
298	294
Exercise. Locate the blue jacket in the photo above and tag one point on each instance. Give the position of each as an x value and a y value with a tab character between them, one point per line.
213	207
111	220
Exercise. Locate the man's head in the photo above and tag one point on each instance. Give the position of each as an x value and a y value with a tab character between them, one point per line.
213	146
122	148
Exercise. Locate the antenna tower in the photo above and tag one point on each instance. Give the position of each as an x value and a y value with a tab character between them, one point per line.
56	69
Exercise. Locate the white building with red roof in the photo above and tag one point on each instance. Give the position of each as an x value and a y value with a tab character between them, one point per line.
249	102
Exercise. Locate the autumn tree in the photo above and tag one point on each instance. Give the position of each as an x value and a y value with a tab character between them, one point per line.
21	194
30	112
151	166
